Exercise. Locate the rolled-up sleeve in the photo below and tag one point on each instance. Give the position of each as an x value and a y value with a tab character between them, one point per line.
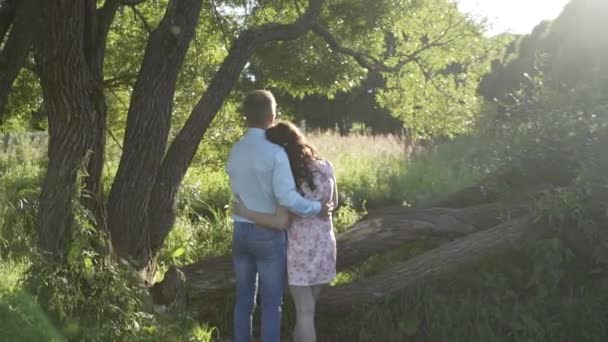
284	188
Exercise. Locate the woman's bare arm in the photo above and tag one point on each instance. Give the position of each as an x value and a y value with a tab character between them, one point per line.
334	195
278	220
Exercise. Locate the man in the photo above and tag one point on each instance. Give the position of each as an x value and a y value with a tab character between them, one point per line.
260	175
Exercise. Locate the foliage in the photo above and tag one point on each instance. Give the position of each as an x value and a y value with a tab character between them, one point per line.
21	319
24	109
570	51
93	297
435	96
432	55
538	293
194	238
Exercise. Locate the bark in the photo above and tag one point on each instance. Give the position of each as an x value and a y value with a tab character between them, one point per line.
431	265
70	95
25	26
97	26
384	230
148	126
391	227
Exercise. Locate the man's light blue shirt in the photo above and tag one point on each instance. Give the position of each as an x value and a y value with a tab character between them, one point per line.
261	176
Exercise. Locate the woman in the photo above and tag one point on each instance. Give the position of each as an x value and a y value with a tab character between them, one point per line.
311	251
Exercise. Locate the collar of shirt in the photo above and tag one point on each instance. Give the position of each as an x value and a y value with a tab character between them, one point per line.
256	132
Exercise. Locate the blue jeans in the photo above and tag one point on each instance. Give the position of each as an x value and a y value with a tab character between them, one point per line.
258	254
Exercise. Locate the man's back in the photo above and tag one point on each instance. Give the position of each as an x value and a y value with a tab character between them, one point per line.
250	167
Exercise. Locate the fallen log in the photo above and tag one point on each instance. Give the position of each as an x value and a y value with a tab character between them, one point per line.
389	228
493	187
382	231
433	264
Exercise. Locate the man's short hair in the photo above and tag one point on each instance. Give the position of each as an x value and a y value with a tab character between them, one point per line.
259	106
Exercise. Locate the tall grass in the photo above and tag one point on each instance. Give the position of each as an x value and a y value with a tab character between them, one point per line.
21	167
374	172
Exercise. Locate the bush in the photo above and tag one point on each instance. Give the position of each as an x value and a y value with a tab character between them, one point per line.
90	296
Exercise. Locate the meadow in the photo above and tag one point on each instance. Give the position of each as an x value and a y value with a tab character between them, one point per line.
539	293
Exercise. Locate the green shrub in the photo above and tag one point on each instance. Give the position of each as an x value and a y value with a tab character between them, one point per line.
191	240
203	191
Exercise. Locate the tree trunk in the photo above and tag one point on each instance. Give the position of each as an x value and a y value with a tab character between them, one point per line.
70	95
384	230
96	32
147	132
436	263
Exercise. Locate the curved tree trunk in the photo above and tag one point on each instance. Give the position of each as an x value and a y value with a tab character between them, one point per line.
147	132
436	263
384	230
391	227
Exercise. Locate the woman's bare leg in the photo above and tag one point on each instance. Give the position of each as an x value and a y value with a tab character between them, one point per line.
303	297
316	290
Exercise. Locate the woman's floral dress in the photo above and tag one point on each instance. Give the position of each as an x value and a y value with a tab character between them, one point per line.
311	252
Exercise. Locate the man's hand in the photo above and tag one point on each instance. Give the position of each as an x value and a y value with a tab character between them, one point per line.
326	209
239	207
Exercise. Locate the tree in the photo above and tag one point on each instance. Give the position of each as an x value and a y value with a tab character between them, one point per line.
413	49
568	51
86	57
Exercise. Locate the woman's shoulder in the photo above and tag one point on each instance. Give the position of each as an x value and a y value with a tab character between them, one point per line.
324	165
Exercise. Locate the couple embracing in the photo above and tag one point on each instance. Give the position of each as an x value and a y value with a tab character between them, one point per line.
284	195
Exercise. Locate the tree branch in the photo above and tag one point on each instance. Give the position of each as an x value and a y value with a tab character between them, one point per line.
141	17
273	32
373	64
130	2
105	17
120	79
7	14
17	47
148	127
366	61
220	23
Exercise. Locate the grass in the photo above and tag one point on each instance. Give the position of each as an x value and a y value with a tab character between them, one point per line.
374	172
21	319
538	293
380	262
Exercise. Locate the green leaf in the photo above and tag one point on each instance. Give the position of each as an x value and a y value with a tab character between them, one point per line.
178	252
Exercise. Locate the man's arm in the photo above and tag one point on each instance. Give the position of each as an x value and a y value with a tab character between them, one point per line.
278	220
284	188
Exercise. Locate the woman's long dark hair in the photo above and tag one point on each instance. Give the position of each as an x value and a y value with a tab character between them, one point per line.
301	154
